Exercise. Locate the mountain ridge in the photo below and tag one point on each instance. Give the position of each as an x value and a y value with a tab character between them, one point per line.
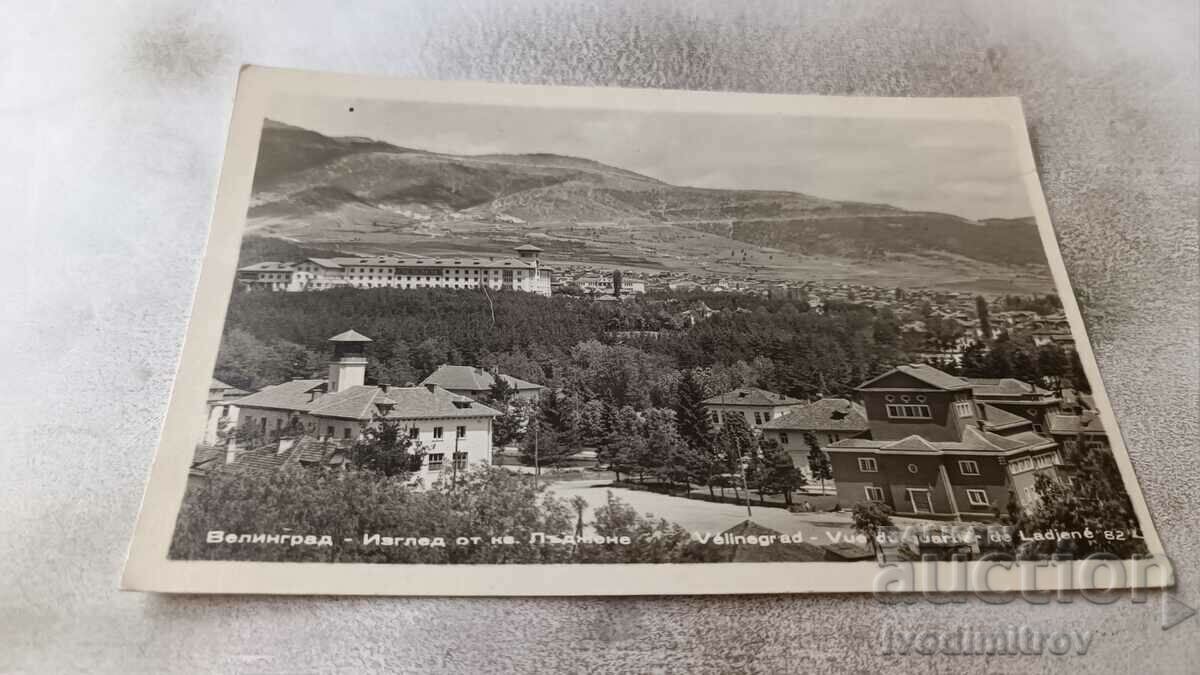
310	186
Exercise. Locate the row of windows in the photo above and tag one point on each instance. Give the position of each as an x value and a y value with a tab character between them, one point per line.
901	411
459	432
436	460
920	498
1042	461
760	418
967	467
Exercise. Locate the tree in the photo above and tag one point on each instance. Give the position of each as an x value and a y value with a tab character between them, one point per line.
625	444
869	520
735	443
501	391
552	438
691	416
818	462
775	472
1090	496
387	446
664	451
985	322
616	277
511	425
348	504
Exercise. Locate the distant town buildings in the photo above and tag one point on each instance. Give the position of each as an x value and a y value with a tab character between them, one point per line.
523	273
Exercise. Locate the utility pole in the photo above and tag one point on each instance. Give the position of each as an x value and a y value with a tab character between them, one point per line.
743	462
537	470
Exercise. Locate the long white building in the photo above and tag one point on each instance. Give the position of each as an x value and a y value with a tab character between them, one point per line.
522	273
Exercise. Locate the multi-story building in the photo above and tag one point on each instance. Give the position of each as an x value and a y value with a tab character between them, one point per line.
605	284
523	273
829	420
933	450
477	382
756	406
456	430
1019	398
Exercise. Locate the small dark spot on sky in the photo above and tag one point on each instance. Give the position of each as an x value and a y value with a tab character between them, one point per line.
352	109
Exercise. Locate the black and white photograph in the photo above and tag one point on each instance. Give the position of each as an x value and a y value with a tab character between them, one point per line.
488	325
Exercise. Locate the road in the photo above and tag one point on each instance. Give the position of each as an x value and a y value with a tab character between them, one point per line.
695	515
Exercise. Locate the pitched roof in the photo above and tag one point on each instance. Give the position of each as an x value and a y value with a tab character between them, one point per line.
470	378
998	418
1061	423
528	247
360	403
827	414
913	442
458	261
350	336
925	373
217	384
973	440
752	396
268	267
1002	386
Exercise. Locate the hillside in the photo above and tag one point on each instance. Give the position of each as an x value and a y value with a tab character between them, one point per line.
314	188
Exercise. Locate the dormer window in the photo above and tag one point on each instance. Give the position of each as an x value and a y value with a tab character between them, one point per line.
462	405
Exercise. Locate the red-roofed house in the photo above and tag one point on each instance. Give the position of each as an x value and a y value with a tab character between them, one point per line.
933	450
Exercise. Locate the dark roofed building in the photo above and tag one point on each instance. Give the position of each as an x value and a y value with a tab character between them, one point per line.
455	429
829	420
932	449
756	406
477	382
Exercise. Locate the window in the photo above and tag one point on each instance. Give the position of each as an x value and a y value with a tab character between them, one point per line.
968	467
758	418
867	464
977	497
437	433
278	423
435	460
1095	445
329	432
460	461
460	432
909	411
963	408
414	432
783	437
1047	460
346	433
874	494
913	468
1030	494
1020	465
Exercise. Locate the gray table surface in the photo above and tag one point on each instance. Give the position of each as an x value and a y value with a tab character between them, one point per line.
114	117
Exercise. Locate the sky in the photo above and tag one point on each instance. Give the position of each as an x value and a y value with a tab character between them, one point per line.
964	168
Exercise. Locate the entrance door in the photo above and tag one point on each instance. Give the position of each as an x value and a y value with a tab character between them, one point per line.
920	500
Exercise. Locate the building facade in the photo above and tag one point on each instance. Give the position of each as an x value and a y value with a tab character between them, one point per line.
933	450
456	430
829	420
756	406
523	273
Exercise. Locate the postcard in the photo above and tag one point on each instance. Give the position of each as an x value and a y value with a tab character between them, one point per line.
458	338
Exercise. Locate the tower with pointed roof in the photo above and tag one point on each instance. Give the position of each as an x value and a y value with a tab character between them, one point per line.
349	365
